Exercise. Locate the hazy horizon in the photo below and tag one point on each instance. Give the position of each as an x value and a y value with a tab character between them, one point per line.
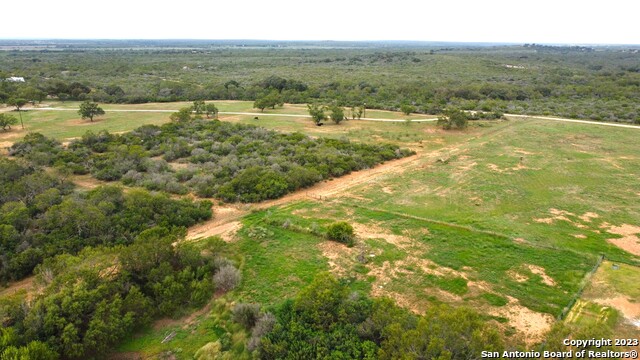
493	21
426	42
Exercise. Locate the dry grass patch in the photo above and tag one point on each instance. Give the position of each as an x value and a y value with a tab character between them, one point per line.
614	286
339	256
26	284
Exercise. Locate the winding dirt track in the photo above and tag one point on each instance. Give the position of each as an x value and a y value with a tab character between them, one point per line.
230	113
226	218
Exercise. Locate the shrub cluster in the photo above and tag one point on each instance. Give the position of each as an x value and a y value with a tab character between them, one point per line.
232	162
341	232
327	321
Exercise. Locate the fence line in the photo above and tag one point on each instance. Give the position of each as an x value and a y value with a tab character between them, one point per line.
583	284
585	281
467	228
622	261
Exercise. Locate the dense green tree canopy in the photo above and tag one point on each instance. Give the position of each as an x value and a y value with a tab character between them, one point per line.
41	216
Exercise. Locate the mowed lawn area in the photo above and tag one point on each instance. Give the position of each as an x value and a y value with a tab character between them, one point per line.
66	123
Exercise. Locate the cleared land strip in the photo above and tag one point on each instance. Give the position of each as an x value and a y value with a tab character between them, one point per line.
231	113
589	122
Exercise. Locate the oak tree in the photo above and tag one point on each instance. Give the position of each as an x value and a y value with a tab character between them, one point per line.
317	113
89	109
337	114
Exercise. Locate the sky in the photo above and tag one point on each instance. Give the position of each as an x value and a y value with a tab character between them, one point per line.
541	21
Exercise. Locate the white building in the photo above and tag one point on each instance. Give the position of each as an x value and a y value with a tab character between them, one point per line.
15	79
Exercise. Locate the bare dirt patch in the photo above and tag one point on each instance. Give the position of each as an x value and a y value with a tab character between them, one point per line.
624	230
531	324
588	216
495	168
630	310
178	166
580	236
225	223
538	270
517	276
482	285
228	232
387	190
374	232
544	220
26	284
87	181
557	212
629	240
4	148
388	272
429	267
563	215
339	256
524	152
11	136
5	144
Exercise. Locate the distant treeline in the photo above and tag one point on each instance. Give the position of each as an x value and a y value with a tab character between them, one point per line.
577	82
